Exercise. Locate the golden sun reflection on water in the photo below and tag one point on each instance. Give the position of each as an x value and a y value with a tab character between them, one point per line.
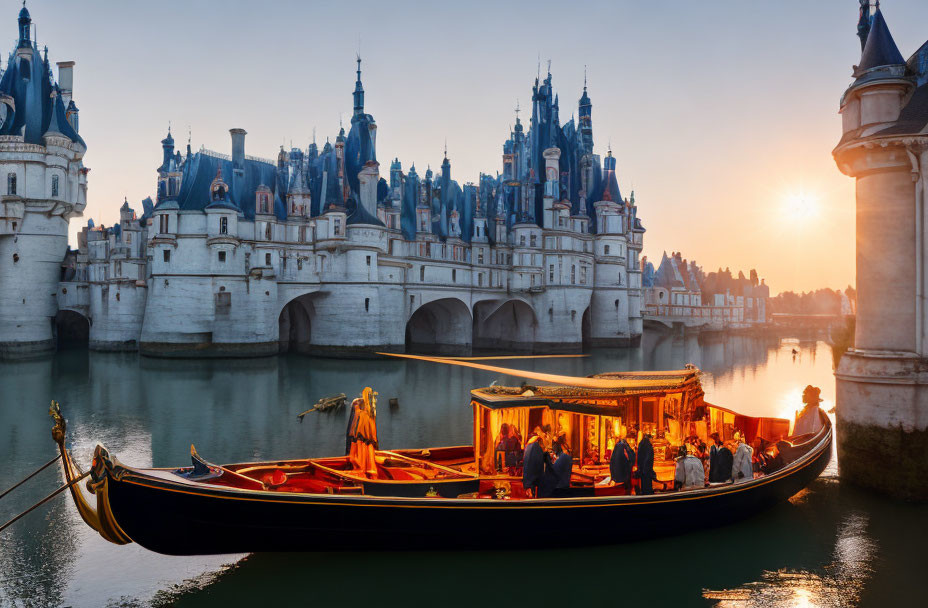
837	584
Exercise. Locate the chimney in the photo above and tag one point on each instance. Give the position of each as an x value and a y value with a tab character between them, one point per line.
238	149
66	80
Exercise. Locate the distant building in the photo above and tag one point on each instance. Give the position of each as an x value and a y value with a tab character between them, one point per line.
679	291
314	251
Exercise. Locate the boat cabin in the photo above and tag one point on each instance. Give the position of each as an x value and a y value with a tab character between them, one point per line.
668	405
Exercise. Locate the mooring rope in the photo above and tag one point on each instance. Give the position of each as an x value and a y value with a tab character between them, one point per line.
31	475
43	501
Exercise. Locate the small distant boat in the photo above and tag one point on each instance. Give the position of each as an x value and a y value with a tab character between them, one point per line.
457	496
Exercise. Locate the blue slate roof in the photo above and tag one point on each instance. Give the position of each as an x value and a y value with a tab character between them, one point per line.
880	49
28	81
200	170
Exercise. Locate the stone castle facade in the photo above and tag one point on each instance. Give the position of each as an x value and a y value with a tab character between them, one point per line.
316	252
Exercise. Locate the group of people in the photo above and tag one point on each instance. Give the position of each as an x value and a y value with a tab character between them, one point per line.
546	464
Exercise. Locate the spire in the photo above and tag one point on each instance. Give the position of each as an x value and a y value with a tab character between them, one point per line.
880	48
863	23
25	25
358	93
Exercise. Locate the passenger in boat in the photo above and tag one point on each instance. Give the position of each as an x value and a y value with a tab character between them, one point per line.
808	419
362	433
621	463
646	464
689	473
534	462
508	448
720	461
557	476
742	470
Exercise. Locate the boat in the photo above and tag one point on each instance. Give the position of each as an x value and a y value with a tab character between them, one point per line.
457	496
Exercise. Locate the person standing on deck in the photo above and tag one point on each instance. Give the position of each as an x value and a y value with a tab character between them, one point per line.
741	467
533	463
621	463
362	434
714	457
646	464
557	477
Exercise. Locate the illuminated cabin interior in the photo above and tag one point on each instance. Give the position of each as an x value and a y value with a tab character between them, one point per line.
669	405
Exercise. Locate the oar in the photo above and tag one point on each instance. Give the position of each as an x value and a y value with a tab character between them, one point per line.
33	474
309	411
43	501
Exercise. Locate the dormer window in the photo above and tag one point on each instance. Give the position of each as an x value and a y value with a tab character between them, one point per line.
219	192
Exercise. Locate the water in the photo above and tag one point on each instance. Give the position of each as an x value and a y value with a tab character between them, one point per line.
829	546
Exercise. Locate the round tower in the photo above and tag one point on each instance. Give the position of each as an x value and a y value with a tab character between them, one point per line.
882	392
42	186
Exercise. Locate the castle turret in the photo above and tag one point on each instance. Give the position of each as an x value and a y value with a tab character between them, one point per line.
882	394
45	186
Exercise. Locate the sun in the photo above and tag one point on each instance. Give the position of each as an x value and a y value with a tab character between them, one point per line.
801	206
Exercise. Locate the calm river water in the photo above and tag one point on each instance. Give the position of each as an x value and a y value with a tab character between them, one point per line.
829	546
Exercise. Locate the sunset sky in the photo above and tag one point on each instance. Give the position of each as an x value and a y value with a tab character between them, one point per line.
722	114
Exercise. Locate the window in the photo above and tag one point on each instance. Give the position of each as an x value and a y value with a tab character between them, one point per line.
454	276
167	255
54	185
223	225
268	231
367	304
522	240
11	183
368	260
338	226
163	228
583	275
421	273
573	274
302	234
267	259
550	273
480	256
480	279
222	257
533	240
606	250
128	238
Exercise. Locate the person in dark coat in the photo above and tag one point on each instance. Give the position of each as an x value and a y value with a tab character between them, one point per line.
646	465
714	457
725	461
534	461
621	463
557	476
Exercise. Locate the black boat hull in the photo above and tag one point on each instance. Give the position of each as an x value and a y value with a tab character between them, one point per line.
176	519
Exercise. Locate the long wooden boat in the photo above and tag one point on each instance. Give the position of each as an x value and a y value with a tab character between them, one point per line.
456	496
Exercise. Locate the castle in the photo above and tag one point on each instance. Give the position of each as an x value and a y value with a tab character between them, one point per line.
882	387
315	252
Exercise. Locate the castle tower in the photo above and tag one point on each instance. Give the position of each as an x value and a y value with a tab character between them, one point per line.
882	391
35	207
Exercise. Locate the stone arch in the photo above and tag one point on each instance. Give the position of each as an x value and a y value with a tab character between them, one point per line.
440	326
586	328
504	325
72	329
295	325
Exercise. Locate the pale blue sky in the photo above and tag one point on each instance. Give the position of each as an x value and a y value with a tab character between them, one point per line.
717	111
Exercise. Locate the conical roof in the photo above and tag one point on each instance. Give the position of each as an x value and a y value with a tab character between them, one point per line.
881	49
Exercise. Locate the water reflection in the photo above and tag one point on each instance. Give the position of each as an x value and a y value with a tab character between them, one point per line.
149	411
